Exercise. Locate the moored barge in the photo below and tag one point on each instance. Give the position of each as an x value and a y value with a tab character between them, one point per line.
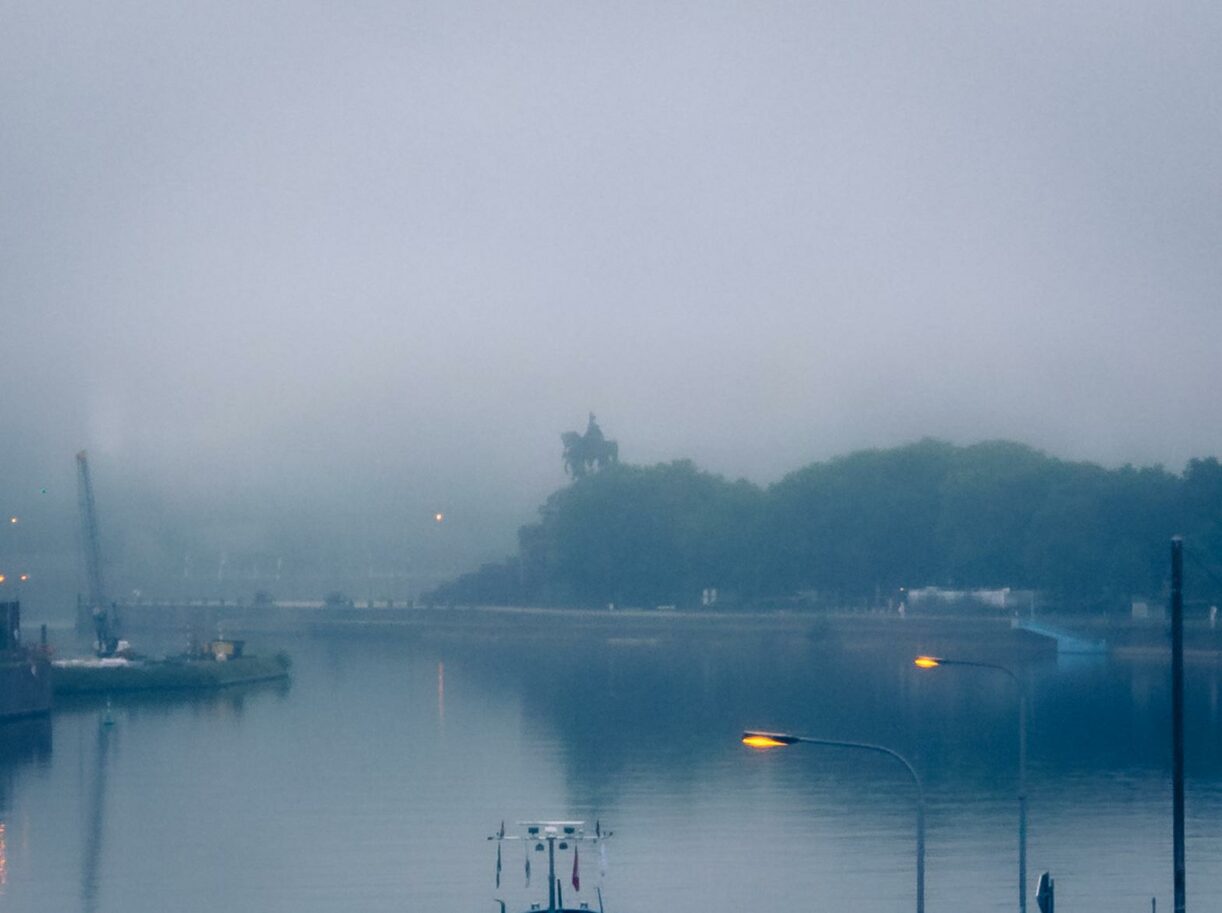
219	665
25	672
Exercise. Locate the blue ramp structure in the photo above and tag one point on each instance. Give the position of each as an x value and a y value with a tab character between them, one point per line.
1067	641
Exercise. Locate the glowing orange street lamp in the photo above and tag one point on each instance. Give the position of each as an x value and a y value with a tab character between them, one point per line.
934	662
768	740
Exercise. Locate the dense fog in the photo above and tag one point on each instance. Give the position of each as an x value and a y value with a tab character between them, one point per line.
300	278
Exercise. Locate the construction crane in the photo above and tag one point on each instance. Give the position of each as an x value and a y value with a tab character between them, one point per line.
104	617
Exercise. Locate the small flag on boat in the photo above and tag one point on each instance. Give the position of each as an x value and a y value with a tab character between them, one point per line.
576	874
498	864
501	832
527	848
598	831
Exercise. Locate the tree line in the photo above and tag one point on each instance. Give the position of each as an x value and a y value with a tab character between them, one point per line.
858	528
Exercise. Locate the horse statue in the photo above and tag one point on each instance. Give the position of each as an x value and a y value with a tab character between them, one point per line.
584	453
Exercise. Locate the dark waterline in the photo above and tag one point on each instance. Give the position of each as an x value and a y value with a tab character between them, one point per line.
372	780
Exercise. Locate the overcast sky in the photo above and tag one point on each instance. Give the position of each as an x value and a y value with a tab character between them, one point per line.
388	251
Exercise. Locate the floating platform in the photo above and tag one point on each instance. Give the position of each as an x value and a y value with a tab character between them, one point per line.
93	676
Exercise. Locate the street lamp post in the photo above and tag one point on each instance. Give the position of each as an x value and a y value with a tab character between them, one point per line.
933	662
765	740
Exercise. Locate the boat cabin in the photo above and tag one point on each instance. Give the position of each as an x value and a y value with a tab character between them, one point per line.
226	649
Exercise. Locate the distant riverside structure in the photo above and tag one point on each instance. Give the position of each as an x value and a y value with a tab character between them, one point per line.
1005	598
1146	609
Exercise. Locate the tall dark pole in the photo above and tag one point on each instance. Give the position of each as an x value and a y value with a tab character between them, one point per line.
1177	716
1022	795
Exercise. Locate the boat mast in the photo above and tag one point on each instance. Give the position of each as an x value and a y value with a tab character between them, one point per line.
567	832
551	874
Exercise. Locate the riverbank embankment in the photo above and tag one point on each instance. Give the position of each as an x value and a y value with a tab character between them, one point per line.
931	633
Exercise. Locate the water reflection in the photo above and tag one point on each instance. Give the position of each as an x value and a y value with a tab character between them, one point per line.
1091	714
616	710
228	702
22	743
441	693
404	752
95	792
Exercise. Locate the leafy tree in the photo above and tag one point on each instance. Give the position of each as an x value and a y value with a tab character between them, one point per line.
855	527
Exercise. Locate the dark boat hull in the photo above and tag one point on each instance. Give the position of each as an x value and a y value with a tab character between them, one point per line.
25	685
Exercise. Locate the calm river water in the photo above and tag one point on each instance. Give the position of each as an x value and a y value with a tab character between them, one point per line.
371	781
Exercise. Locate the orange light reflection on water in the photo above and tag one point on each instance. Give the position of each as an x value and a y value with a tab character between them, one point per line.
441	692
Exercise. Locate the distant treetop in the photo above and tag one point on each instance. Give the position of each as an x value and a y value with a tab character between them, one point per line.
857	530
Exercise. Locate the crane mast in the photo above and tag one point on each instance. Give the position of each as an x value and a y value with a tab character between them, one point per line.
104	622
